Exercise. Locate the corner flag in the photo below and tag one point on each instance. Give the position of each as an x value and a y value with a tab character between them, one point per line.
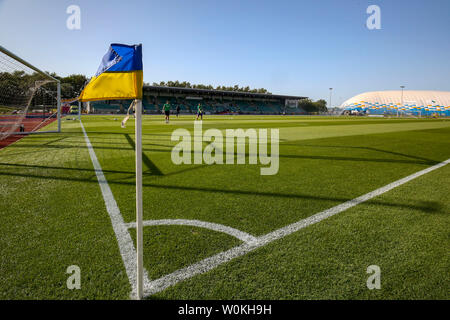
119	75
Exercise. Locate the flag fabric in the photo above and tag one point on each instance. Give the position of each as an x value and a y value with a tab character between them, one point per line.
119	76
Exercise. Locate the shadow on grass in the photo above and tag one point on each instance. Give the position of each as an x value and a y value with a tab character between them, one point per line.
421	159
428	207
149	163
156	171
431	207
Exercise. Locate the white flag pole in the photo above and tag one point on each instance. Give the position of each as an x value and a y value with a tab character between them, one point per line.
139	208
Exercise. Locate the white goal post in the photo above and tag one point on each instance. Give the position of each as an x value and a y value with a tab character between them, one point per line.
30	99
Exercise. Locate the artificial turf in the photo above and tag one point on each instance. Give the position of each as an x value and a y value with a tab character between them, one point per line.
53	214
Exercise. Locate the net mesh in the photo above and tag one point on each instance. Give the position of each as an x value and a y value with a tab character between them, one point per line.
28	99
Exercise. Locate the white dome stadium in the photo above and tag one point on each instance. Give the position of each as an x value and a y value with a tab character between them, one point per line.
390	102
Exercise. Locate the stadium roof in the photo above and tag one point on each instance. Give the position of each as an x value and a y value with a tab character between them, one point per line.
233	94
419	98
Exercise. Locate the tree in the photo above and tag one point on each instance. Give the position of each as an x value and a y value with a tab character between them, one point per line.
185	84
321	105
73	85
307	105
313	107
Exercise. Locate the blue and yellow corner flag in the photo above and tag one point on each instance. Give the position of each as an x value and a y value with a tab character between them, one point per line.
119	76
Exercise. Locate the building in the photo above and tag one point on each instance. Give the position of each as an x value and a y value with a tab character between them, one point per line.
407	102
213	102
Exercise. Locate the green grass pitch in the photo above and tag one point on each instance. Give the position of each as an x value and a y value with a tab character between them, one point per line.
53	214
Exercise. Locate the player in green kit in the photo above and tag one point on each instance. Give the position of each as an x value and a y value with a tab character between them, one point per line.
166	109
199	112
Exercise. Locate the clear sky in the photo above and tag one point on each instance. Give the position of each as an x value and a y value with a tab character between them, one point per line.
288	47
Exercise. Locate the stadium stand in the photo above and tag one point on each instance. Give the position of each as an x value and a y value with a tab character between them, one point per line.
213	102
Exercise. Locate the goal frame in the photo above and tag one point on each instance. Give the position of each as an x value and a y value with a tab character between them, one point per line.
58	90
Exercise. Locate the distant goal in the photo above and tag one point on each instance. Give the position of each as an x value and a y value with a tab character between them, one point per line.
30	99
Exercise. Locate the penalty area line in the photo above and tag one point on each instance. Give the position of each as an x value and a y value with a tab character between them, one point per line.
212	262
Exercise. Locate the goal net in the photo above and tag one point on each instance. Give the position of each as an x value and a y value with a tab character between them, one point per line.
29	98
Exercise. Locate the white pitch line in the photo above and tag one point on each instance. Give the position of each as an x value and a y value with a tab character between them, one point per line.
210	263
126	245
243	236
128	253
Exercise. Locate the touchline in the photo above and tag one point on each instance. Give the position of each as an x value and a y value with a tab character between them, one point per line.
235	139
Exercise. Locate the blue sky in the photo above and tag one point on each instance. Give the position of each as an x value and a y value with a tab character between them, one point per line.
288	47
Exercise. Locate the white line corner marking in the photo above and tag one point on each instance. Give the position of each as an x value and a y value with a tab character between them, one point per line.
243	236
251	243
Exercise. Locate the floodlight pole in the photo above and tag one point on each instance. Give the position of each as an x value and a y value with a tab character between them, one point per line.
331	90
403	87
139	207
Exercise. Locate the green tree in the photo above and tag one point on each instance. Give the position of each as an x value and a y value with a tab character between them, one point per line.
72	85
185	84
321	105
313	107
